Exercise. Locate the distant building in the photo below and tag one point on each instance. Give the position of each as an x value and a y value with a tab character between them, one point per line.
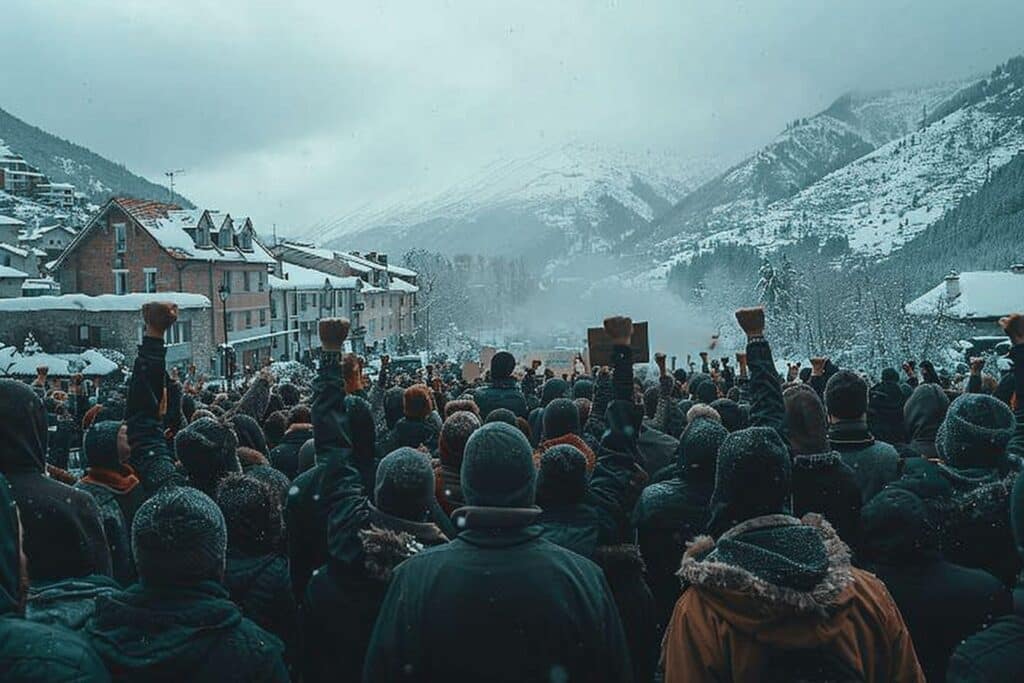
22	258
52	239
75	322
11	229
384	311
19	177
299	297
133	245
976	300
11	280
61	195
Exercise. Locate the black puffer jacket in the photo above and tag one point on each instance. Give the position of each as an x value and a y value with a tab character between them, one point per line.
285	456
501	394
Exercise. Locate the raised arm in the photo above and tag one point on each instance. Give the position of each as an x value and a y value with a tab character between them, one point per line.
767	408
150	454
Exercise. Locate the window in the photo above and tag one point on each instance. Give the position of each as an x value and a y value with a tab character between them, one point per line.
226	280
120	282
246	239
246	281
259	281
273	306
302	302
120	237
150	279
248	319
231	322
225	236
263	317
179	333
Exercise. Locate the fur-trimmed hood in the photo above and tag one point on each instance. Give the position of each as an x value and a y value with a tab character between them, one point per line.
771	572
390	540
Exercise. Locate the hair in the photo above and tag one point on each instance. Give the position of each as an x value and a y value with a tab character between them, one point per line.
300	414
461	405
417	402
702	411
846	395
274	427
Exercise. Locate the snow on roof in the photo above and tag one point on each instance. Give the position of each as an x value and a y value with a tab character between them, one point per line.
17	251
299	277
983	294
6	272
400	285
10	220
102	303
91	362
34	283
62	186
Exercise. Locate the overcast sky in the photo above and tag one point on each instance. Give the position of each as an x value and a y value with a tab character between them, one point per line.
294	112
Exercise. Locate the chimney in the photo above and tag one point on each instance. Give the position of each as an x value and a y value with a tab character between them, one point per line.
371	256
383	260
1017	269
952	285
354	253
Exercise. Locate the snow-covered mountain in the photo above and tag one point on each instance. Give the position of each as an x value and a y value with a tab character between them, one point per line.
574	199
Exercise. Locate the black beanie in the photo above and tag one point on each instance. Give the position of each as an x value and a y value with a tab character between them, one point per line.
583	388
497	468
501	415
733	417
561	417
503	364
249	433
555	387
896	528
697	452
562	476
252	514
99	445
207	450
846	395
752	478
890	375
179	538
405	484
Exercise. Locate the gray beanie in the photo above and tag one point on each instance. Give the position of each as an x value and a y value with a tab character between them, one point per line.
206	448
405	484
179	537
975	432
497	468
753	477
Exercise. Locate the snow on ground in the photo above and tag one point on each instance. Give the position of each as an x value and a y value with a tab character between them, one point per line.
103	302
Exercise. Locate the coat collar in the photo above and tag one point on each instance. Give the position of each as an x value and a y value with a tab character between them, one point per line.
850	434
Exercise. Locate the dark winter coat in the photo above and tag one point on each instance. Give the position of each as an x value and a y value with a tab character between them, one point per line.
657	448
624	569
31	651
498	603
285	456
413	433
885	412
118	496
501	393
823	483
923	412
995	655
874	463
262	588
190	633
305	516
62	526
69	602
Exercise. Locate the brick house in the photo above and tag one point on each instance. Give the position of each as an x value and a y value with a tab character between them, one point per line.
299	297
133	245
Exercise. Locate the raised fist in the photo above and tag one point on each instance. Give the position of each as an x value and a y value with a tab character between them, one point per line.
333	332
42	371
704	356
741	358
159	316
818	365
384	360
76	379
1013	324
751	320
659	360
619	329
535	363
977	364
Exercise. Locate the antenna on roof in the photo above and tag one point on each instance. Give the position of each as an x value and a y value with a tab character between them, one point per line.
170	175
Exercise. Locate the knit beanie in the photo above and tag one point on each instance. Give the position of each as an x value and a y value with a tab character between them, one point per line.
706	391
752	478
561	476
455	432
890	375
702	411
975	432
99	445
561	417
207	450
460	405
846	395
405	484
252	514
179	538
583	388
552	389
307	455
277	480
806	422
697	452
896	527
289	394
503	364
497	468
393	406
249	433
501	415
733	417
417	402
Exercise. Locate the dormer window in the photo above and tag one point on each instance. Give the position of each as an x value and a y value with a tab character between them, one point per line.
245	239
203	235
225	237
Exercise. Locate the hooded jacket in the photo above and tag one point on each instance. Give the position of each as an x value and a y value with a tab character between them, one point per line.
923	412
774	587
118	496
261	587
874	463
285	456
62	526
885	412
32	651
194	633
68	602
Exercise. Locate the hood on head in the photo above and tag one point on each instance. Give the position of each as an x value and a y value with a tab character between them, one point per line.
23	429
924	411
806	421
698	448
897	530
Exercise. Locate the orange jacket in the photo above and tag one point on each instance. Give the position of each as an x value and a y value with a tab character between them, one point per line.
728	620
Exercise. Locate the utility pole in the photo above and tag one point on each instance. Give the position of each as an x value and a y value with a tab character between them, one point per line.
170	175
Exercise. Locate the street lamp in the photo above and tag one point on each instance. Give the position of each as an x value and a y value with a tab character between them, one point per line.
223	292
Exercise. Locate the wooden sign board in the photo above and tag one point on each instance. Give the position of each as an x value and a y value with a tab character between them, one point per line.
600	346
486	354
470	371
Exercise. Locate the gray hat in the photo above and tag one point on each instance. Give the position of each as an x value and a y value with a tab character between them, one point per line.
405	484
179	537
975	432
497	468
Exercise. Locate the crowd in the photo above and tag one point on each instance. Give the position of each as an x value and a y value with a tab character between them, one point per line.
711	523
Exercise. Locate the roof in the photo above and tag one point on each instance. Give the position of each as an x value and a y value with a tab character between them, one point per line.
91	362
39	283
17	251
299	277
10	220
102	303
400	285
983	295
356	263
7	272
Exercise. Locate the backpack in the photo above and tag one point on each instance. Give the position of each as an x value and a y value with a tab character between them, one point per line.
807	666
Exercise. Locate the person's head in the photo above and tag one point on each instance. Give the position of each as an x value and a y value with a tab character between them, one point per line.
503	364
461	405
501	415
561	417
393	406
702	411
806	422
584	406
896	528
731	412
252	514
651	396
23	429
206	448
455	433
179	538
846	396
697	452
497	468
417	402
274	427
890	375
307	455
753	477
561	476
553	388
975	432
405	484
583	388
300	415
274	478
249	433
924	411
100	445
289	394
